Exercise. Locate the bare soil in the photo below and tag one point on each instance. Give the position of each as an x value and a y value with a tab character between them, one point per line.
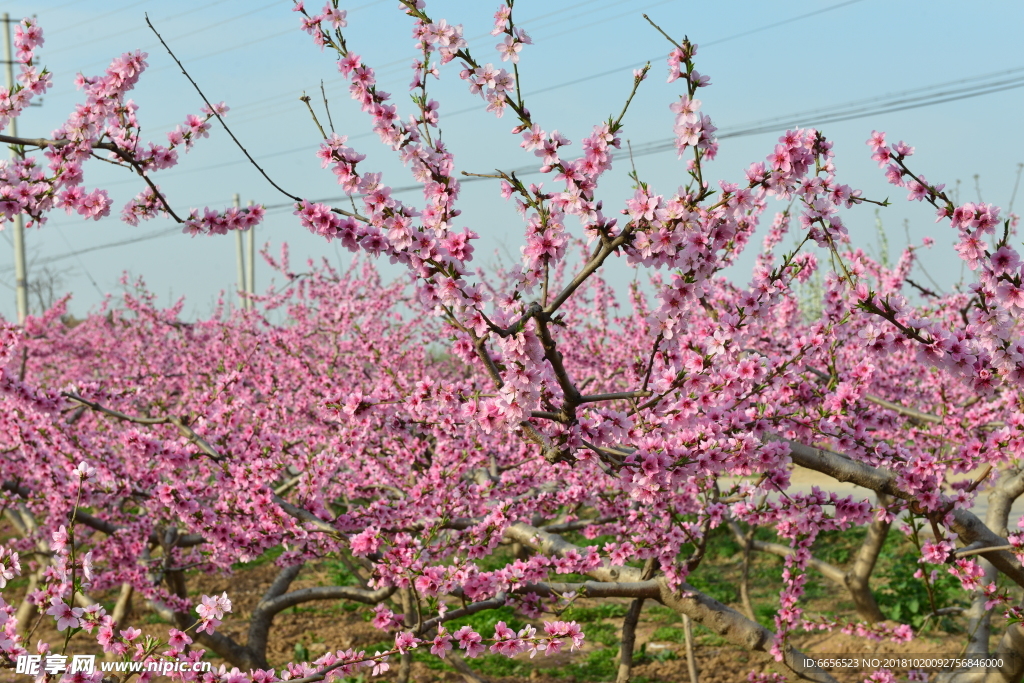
319	627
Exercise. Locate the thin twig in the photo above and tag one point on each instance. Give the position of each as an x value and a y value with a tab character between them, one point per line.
636	85
691	661
920	288
964	552
483	175
183	428
662	32
108	146
215	113
305	98
326	106
593	398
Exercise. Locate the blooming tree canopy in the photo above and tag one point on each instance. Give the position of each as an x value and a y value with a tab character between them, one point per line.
412	428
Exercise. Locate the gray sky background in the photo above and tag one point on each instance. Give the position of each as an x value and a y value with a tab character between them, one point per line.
777	64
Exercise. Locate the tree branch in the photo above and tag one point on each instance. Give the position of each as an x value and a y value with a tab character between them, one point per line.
968	527
829	571
183	428
706	611
281	602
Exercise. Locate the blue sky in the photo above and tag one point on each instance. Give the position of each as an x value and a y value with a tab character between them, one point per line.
768	62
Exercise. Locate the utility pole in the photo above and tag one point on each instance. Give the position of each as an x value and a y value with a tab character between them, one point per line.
240	261
20	270
251	266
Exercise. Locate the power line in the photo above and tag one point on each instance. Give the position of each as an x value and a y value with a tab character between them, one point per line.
542	90
120	243
66	4
191	33
111	13
387	66
658	146
80	262
199	30
924	96
880	104
836	117
284	102
780	123
386	70
637	65
78	46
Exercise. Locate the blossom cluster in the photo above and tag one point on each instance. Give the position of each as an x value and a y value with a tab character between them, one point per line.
652	418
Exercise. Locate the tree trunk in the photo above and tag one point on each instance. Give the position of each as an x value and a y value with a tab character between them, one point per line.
857	580
628	641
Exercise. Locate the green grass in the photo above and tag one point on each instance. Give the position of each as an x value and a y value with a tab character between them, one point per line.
585	615
500	558
599	665
721	545
338	573
324	609
643	656
903	597
484	622
662	614
488	664
765	614
606	634
838	547
705	636
669	634
500	665
711	582
268	556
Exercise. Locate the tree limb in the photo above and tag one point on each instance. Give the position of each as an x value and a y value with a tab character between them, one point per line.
706	611
968	527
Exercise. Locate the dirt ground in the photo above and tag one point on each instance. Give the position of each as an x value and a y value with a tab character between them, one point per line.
310	630
316	630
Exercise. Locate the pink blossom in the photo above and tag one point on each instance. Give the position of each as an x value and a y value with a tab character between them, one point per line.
66	616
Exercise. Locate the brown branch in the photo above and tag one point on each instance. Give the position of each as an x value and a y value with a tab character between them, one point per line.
109	528
107	146
464	669
967	551
224	645
606	250
691	660
593	398
554	357
662	32
923	290
829	571
857	579
183	428
577	525
238	144
1007	489
968	527
748	546
706	611
628	641
219	118
480	606
123	606
306	516
914	415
